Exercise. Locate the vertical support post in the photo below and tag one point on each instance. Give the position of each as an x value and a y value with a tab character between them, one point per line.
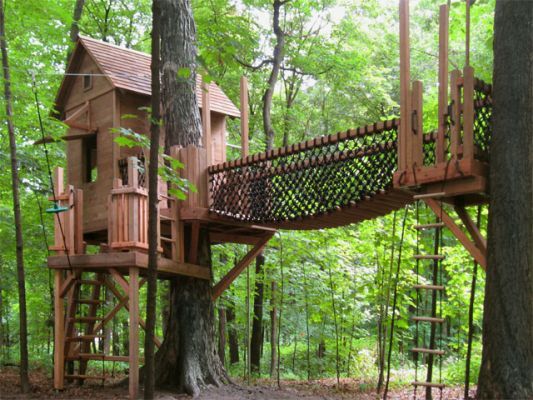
79	247
404	150
69	222
418	125
59	332
443	82
134	333
177	224
133	201
206	122
455	117
133	172
59	219
468	112
467	34
244	117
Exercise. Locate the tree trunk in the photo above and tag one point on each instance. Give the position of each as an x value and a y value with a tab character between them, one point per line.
273	329
273	78
507	361
74	28
153	203
187	359
23	324
232	334
222	335
257	323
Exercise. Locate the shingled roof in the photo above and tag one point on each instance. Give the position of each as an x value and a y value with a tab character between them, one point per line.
130	70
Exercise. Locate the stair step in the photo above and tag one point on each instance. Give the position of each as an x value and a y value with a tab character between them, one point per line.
429	319
164	217
88	282
429	195
100	357
429	257
429	384
429	287
98	377
166	239
436	225
428	351
86	319
83	338
87	301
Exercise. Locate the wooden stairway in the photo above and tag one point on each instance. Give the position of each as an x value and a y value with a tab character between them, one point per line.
84	324
435	290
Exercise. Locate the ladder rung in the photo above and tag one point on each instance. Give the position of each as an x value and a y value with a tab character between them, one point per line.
87	301
167	239
436	225
83	338
429	287
429	384
429	195
429	257
428	351
88	282
85	319
99	377
93	356
166	217
429	319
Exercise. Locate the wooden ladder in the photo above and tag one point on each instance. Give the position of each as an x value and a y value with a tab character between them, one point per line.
434	289
81	336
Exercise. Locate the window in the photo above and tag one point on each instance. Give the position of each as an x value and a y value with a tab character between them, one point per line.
87	81
90	170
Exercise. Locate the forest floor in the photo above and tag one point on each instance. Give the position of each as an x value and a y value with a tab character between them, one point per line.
323	389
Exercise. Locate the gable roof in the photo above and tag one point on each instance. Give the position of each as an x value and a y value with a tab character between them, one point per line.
129	70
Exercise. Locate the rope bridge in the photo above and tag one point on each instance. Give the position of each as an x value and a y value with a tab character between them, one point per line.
319	177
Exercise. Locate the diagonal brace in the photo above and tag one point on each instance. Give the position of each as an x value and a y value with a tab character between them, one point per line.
224	283
470	246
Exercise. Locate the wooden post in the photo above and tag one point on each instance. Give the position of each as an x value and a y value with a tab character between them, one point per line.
467	34
468	112
244	117
134	333
79	247
404	150
59	220
455	117
133	201
177	224
206	122
417	125
59	332
443	82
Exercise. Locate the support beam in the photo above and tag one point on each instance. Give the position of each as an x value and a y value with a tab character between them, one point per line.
59	333
458	233
443	82
134	333
404	150
471	227
224	283
206	122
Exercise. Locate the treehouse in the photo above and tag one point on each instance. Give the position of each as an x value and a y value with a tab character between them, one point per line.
328	181
107	87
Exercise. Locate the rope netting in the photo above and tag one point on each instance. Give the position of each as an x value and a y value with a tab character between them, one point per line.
324	174
309	178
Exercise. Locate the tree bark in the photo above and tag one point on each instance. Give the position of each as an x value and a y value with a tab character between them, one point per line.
153	203
21	280
187	359
507	360
273	78
74	27
181	117
257	323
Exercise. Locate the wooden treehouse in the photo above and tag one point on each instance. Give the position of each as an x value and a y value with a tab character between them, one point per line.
324	182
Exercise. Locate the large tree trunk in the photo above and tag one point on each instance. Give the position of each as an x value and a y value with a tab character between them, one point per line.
273	329
257	323
222	335
507	363
74	28
153	204
187	359
21	280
